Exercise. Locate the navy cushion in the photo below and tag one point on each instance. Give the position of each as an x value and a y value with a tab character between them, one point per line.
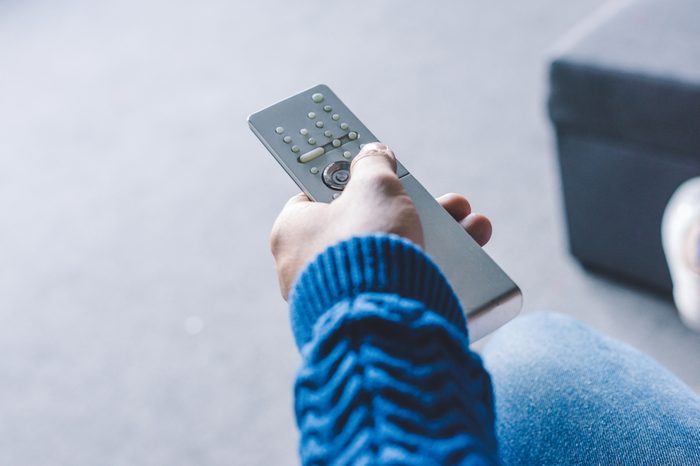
633	74
625	104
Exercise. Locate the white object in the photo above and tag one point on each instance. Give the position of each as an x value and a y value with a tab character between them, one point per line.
680	233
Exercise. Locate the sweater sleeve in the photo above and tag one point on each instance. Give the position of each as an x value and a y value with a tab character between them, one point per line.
387	375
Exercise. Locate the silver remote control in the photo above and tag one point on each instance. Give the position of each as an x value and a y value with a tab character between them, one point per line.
314	136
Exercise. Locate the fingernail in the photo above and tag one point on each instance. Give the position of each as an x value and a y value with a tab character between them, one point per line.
378	146
373	149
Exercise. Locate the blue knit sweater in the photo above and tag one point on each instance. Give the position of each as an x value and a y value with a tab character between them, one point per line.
387	375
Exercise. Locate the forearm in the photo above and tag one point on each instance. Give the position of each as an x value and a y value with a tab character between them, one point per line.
387	373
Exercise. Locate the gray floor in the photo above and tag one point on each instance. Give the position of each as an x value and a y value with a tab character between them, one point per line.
140	321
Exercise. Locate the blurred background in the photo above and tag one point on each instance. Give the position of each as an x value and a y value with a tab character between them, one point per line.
140	320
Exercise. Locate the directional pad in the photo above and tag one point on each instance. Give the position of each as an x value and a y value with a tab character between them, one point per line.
336	175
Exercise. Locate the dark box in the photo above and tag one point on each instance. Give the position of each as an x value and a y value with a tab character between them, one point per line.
625	105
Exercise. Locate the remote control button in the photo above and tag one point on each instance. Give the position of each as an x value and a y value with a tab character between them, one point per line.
327	108
327	133
287	139
295	149
336	143
304	132
341	176
312	141
344	126
279	130
314	170
311	155
336	175
347	154
335	117
352	135
318	98
311	115
319	124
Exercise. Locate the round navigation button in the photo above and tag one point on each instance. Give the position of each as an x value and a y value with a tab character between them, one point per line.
319	124
295	149
327	133
335	117
327	108
287	139
311	115
352	135
341	176
336	143
344	126
318	97
279	130
347	154
312	141
304	132
336	175
314	170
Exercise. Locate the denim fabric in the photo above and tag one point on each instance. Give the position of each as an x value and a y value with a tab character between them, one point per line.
568	395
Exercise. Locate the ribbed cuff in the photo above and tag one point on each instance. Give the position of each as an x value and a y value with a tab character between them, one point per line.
374	263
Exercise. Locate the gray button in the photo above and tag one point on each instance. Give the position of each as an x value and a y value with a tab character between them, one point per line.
336	142
311	115
318	98
341	176
327	108
312	141
344	126
319	124
304	132
295	149
279	130
287	139
327	133
347	154
336	117
352	135
336	175
314	170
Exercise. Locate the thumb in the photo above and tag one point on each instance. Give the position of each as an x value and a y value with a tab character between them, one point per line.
374	159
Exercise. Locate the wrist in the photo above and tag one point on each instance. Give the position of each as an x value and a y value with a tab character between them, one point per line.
364	264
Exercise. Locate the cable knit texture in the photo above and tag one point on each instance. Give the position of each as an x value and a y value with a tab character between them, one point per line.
387	375
378	263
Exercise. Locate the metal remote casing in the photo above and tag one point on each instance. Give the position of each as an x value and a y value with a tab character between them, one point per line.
314	136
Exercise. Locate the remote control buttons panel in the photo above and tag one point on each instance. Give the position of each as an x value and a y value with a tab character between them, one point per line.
314	136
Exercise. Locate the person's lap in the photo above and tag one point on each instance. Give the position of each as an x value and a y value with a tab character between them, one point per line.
568	395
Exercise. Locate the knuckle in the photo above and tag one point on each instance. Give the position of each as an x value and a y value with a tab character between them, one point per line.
386	182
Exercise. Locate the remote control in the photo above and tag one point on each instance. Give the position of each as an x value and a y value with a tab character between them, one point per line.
314	136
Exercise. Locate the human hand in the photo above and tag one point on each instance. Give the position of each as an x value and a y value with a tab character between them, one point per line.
373	201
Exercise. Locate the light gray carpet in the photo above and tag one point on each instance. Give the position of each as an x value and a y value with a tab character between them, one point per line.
140	321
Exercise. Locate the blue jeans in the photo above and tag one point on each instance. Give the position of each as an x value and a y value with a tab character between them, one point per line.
568	395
